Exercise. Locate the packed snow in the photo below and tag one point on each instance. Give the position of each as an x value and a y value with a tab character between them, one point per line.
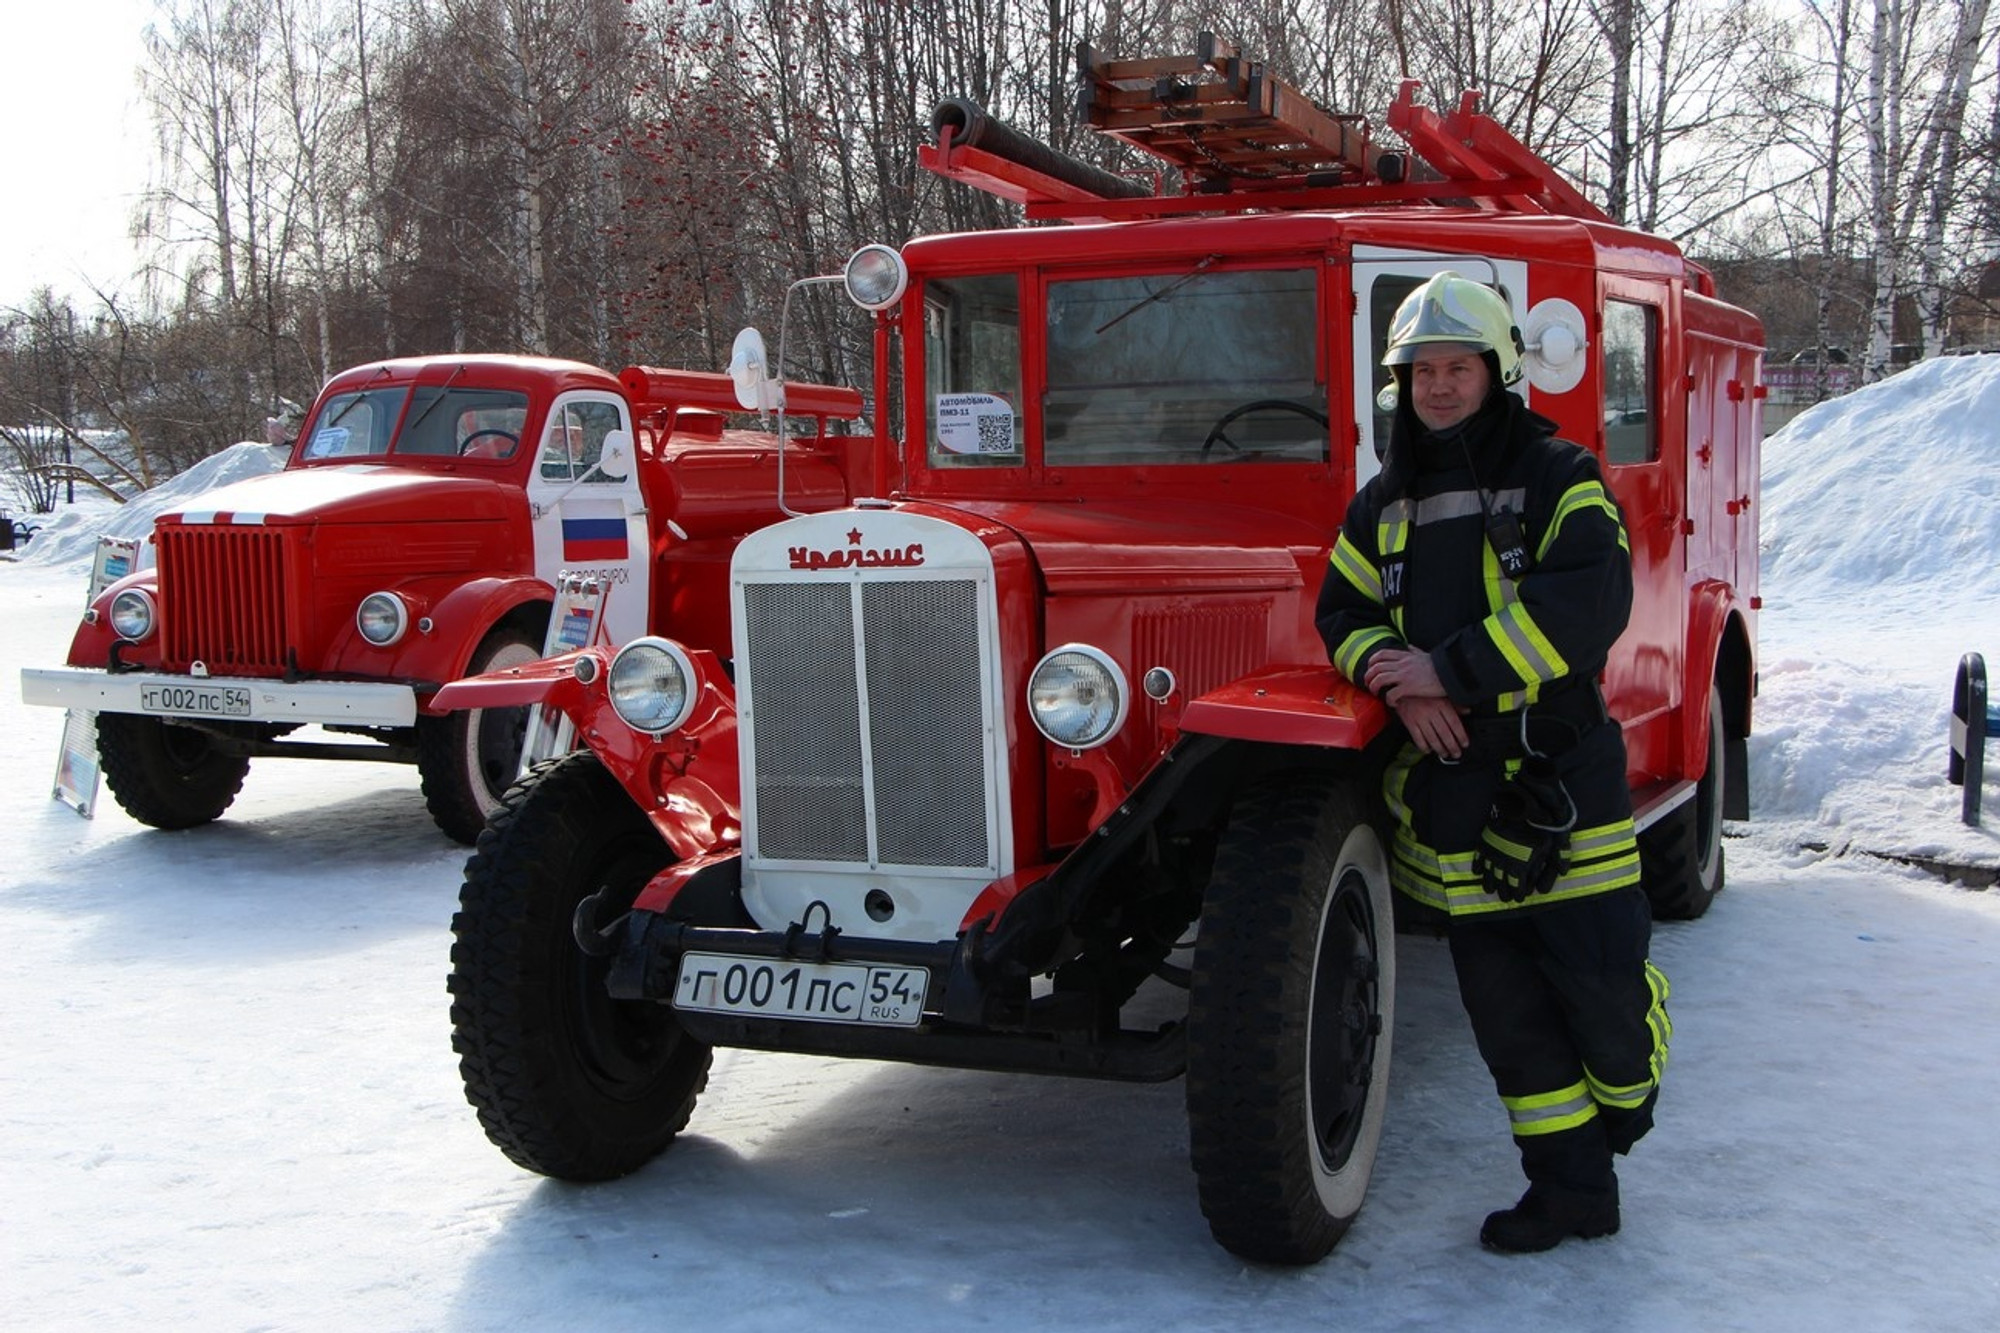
228	1099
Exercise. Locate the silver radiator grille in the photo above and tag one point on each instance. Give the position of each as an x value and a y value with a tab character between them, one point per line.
807	762
897	759
924	724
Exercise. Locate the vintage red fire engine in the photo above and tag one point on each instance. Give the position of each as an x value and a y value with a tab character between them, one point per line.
1035	762
415	535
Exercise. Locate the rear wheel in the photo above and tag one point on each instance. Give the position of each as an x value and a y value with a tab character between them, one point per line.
168	776
567	1081
1289	1021
467	759
1680	856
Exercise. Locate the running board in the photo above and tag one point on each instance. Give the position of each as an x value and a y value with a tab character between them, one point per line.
1652	804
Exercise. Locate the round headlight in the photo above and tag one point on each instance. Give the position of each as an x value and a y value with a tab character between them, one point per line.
876	277
1077	696
382	618
132	614
652	685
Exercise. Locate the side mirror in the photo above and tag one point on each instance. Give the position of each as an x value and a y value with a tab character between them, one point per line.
614	460
750	370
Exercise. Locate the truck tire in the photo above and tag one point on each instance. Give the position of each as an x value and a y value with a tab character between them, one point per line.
1290	1014
567	1081
1680	856
469	758
167	776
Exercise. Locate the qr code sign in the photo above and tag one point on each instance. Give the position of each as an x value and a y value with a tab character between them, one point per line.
996	433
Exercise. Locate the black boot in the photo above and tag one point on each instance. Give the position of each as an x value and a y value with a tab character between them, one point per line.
1547	1215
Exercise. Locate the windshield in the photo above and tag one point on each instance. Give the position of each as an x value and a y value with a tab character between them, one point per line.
356	425
1143	369
441	422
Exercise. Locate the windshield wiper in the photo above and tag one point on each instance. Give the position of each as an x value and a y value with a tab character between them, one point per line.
1161	295
410	429
353	403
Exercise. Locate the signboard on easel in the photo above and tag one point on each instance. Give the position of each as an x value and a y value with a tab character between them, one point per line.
576	621
77	773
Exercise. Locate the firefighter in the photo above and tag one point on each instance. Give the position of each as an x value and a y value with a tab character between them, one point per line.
1475	588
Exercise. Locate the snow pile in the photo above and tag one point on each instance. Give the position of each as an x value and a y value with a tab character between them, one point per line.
71	536
1881	533
1893	489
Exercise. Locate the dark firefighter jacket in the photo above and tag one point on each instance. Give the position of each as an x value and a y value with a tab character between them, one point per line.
1414	566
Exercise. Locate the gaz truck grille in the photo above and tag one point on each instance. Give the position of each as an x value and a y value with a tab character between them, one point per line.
875	755
222	598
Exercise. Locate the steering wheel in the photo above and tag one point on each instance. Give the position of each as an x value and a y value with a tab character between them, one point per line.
467	448
1218	433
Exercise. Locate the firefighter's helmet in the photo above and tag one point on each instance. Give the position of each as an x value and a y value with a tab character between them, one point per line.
1451	309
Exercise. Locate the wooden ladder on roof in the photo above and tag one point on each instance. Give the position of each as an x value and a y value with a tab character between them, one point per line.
1245	140
1224	120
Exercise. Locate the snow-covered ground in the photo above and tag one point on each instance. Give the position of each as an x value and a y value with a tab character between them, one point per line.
228	1100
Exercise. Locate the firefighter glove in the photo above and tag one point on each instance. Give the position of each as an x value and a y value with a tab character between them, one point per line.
1525	844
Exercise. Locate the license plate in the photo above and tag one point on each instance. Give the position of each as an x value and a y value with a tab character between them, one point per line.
195	700
823	992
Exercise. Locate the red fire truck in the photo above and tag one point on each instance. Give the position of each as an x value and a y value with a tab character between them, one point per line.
1035	762
415	535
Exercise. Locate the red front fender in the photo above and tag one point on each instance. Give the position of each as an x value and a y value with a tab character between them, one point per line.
1289	706
686	781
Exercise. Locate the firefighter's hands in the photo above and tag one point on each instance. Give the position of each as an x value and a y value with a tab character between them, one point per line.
1396	674
1434	725
1407	681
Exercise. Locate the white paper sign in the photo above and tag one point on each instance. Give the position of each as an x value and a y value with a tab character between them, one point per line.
975	423
76	763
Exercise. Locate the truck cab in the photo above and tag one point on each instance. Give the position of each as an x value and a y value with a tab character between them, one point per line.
416	534
1036	762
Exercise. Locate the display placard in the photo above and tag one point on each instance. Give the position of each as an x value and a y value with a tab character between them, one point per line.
575	621
77	773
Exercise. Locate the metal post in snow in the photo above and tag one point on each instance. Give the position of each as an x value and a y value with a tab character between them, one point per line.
1966	764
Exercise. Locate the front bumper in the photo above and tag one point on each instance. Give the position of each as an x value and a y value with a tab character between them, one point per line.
222	698
974	1019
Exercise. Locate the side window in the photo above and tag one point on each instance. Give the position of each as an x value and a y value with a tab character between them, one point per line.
1631	382
972	371
575	439
1383	298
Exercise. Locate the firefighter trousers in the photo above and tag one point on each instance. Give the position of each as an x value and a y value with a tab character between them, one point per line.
1570	1017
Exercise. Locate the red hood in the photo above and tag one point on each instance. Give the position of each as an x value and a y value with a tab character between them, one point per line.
351	494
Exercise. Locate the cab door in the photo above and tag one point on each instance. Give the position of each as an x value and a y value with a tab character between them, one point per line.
1646	447
587	522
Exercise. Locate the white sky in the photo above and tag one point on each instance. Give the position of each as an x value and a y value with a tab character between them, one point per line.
74	145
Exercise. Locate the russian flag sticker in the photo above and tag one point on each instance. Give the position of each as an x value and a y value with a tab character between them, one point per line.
591	539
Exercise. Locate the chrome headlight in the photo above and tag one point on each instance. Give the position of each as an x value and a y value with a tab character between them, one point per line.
876	276
652	685
133	615
382	617
1077	696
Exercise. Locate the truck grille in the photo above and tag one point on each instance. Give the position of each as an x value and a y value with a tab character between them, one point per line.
877	757
222	598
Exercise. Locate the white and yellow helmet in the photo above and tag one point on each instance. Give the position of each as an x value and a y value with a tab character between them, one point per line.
1452	309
